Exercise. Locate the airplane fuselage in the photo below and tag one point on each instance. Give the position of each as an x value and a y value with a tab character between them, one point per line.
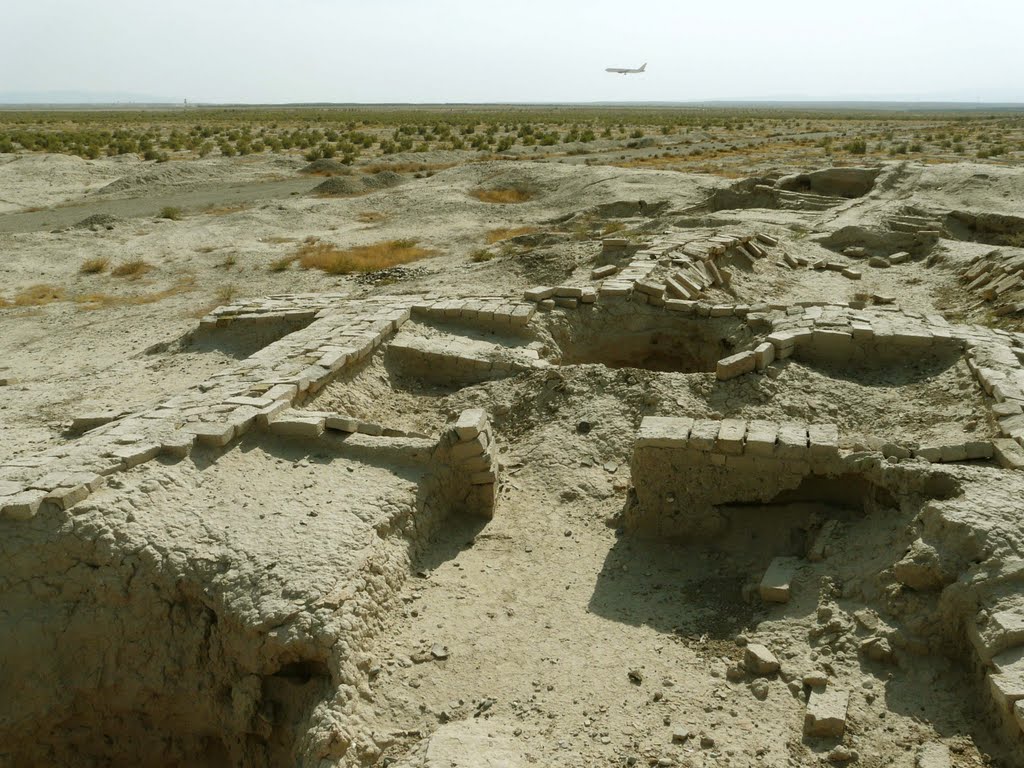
626	70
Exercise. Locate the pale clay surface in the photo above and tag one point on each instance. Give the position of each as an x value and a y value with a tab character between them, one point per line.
324	593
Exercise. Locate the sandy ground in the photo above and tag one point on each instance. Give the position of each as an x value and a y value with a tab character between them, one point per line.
566	643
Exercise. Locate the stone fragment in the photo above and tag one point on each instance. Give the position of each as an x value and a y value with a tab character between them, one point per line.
826	713
775	584
759	660
934	754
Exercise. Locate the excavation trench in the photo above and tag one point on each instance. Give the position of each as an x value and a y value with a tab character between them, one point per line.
188	631
649	339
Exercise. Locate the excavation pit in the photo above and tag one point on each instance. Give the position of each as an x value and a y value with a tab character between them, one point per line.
651	340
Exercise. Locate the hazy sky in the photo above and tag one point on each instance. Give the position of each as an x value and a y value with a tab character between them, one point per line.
517	50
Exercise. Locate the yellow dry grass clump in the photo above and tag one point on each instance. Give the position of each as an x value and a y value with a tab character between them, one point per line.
506	233
41	294
94	266
502	195
133	269
362	258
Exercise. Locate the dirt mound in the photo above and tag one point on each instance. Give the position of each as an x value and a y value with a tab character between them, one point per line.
383	180
347	186
326	167
340	186
157	175
98	221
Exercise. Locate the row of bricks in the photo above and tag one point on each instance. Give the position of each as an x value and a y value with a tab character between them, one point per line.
504	313
765	439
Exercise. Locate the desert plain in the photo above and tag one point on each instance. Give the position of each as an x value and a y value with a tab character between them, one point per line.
511	436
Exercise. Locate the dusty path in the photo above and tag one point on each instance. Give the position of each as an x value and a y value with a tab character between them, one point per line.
151	205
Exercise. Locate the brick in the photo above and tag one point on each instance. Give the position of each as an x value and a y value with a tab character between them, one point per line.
568	292
775	584
730	436
177	445
601	272
64	497
824	442
211	433
703	434
470	448
792	442
369	428
764	355
663	432
826	713
487	477
21	506
470	423
761	437
92	420
735	365
299	426
1006	681
1008	453
133	455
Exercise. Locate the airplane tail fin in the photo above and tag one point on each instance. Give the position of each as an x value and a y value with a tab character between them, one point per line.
643	67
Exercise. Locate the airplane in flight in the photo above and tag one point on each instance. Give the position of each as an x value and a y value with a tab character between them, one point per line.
626	70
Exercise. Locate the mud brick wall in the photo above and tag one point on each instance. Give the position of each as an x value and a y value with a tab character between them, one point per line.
683	468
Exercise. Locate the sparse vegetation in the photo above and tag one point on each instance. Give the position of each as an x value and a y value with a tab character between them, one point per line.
370	217
133	269
480	255
363	258
503	195
505	233
282	264
94	266
170	212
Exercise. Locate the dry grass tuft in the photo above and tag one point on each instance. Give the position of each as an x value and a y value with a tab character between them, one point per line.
282	264
104	300
170	212
364	258
406	167
370	217
134	269
224	210
504	195
94	266
506	233
38	295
